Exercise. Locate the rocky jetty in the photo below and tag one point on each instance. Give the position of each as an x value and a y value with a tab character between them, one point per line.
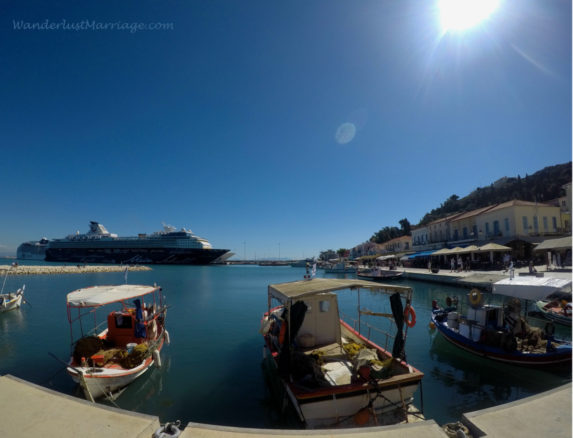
65	269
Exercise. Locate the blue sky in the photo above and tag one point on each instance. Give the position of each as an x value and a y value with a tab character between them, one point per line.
268	126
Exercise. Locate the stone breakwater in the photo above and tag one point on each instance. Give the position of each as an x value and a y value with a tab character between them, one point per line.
66	269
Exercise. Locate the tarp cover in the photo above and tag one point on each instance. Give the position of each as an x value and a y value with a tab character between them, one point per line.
100	295
530	288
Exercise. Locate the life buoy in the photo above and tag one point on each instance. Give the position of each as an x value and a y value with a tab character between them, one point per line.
410	316
475	297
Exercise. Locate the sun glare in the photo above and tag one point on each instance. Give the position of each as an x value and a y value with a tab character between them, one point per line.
464	14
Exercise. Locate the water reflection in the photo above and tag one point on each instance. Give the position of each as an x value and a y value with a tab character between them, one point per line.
474	383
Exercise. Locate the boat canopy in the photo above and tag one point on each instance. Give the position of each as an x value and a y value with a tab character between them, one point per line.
297	289
530	288
101	295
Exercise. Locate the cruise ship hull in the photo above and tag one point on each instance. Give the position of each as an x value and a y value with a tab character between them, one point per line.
166	256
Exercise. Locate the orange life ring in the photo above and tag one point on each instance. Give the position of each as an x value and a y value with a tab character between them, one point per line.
410	316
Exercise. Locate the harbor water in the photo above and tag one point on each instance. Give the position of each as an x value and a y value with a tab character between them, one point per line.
211	372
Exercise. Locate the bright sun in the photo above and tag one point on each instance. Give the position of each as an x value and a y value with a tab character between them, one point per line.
463	14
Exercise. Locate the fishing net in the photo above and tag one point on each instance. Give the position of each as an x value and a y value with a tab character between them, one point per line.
137	355
86	347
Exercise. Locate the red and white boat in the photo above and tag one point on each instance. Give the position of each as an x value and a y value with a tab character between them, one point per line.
106	361
333	375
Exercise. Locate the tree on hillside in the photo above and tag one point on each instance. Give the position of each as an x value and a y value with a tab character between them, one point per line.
327	255
405	227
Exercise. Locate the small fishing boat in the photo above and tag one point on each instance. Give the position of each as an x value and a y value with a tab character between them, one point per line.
379	274
12	300
501	333
341	268
331	372
106	361
556	307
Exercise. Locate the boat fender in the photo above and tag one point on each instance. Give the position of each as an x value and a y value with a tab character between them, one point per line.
282	333
475	297
410	316
166	336
170	430
157	358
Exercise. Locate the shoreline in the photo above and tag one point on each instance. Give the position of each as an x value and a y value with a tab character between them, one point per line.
67	269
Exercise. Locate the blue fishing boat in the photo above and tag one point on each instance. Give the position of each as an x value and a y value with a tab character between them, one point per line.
500	332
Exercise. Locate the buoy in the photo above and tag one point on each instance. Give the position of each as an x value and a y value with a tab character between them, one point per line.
157	358
475	297
410	316
432	325
167	339
362	416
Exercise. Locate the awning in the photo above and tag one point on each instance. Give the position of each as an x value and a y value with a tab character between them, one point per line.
530	288
554	244
421	254
386	257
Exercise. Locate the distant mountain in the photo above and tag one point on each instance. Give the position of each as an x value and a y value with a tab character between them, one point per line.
543	186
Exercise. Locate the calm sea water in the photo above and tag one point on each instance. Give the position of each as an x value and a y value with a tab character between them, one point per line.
212	370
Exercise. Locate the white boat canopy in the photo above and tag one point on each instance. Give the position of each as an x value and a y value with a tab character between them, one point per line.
530	288
101	295
297	289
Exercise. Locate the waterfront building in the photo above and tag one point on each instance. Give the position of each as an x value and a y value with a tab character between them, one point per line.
420	237
564	204
517	224
519	219
399	244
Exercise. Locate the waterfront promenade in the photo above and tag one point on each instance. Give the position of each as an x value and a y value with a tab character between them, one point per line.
479	279
30	411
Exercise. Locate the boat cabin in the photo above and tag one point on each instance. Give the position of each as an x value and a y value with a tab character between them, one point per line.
121	328
321	324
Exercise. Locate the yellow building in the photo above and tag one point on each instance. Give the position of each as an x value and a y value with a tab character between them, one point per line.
518	219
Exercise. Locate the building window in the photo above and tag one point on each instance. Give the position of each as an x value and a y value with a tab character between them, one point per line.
554	223
487	229
506	222
545	223
465	232
535	224
496	228
525	224
475	231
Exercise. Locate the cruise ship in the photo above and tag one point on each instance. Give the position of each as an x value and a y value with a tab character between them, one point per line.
168	246
33	250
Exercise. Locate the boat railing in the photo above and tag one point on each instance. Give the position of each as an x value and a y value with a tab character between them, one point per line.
369	331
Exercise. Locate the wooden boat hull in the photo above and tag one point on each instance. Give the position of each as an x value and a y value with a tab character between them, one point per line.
106	380
562	355
555	316
11	302
330	406
387	275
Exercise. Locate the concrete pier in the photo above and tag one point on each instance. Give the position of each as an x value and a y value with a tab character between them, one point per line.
30	410
470	279
66	269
